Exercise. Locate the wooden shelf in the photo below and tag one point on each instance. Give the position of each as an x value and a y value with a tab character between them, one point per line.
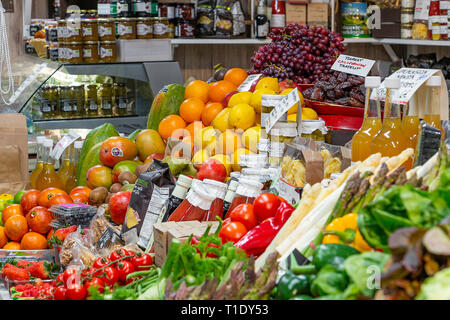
440	43
219	41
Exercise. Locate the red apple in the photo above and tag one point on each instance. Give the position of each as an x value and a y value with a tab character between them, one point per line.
150	158
287	84
118	205
212	169
228	97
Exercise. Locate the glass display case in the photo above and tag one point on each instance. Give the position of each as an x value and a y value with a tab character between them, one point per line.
84	96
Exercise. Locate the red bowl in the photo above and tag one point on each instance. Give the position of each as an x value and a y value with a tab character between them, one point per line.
339	122
334	109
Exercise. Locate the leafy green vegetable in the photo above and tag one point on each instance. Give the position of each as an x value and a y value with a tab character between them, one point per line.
329	281
358	269
437	287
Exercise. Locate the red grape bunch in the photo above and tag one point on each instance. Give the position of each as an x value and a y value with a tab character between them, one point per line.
300	53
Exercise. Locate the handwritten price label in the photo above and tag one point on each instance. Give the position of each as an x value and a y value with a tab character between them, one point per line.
281	108
353	65
247	84
62	144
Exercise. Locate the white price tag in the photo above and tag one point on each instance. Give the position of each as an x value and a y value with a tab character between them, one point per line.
247	84
411	79
290	193
62	144
353	65
283	106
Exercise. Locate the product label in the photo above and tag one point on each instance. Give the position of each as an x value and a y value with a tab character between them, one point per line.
46	106
104	31
140	7
143	29
104	9
87	31
278	20
160	29
66	105
106	105
92	104
104	53
262	30
289	192
421	10
281	108
72	32
87	53
247	84
122	7
122	103
124	30
353	65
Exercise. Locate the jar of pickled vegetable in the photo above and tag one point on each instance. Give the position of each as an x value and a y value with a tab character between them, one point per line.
314	129
92	101
276	152
74	52
62	32
89	29
106	98
108	51
160	28
73	31
46	107
283	132
126	28
90	52
268	103
66	101
107	29
53	97
121	99
144	28
78	101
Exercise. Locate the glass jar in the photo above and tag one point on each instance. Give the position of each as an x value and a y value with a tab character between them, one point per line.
104	8
74	52
106	98
406	30
52	32
62	52
62	32
166	10
65	101
78	95
121	99
108	51
218	191
407	16
126	28
90	52
172	24
186	29
92	101
46	108
314	129
144	28
283	132
160	28
89	29
142	8
268	103
124	9
185	11
73	31
91	14
107	29
276	152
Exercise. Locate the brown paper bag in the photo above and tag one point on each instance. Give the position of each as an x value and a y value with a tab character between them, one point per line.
13	153
313	166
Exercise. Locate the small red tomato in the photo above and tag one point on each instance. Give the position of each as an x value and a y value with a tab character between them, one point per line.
111	276
142	261
232	231
76	291
124	268
70	276
101	262
94	283
265	206
244	214
117	254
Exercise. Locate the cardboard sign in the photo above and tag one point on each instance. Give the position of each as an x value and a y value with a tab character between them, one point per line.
353	65
281	108
247	84
62	144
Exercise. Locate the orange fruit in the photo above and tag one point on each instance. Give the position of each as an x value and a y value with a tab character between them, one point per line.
47	194
84	190
197	89
117	149
79	197
16	227
12	210
220	89
169	125
39	219
12	245
210	112
236	76
33	241
3	237
189	140
195	127
191	109
60	198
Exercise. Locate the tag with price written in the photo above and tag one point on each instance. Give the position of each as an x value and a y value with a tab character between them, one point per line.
353	65
281	108
247	84
62	144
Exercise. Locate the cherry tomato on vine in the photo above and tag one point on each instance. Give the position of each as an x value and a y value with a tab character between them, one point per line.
265	206
95	282
142	261
124	268
232	231
111	276
244	214
76	291
118	254
70	276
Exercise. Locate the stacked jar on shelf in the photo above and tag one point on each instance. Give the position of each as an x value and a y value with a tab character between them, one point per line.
91	100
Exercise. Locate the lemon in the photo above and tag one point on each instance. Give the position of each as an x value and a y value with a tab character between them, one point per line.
206	137
292	117
293	109
238	98
242	116
225	160
255	101
6	197
307	114
250	138
236	157
228	142
220	122
258	119
268	83
200	157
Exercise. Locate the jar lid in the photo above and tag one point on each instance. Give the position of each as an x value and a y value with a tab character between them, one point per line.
126	19
106	19
160	18
89	20
144	18
199	197
107	42
309	126
91	42
62	21
74	43
217	188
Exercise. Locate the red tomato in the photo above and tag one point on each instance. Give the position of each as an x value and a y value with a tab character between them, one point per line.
29	200
60	293
142	262
94	283
76	291
118	254
111	276
124	268
233	232
244	214
265	206
70	276
101	262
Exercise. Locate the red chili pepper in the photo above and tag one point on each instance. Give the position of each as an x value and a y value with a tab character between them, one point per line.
259	238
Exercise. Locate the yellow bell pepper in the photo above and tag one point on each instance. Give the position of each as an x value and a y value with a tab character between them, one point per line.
345	230
6	196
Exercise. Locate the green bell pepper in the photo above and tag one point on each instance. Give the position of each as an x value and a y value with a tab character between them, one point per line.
329	281
332	254
291	285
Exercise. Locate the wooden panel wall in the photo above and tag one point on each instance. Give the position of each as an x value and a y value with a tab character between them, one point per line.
14	29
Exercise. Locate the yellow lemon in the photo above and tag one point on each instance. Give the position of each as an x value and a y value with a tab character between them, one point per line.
225	160
228	142
204	138
238	98
250	138
255	101
309	114
292	117
6	197
211	148
236	157
268	83
293	109
221	120
242	116
200	157
258	119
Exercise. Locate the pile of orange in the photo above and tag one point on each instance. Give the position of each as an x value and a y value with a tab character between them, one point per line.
203	102
26	226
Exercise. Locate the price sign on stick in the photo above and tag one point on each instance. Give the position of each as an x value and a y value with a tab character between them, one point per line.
247	84
281	108
353	65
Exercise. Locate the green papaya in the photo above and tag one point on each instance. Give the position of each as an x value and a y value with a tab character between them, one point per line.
166	102
90	153
134	134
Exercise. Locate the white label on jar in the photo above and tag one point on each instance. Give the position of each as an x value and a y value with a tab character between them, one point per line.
87	53
67	106
171	12
407	18
124	30
104	53
75	53
92	104
87	31
61	32
104	9
106	105
104	31
278	20
143	29
140	7
160	29
71	32
122	103
263	30
122	7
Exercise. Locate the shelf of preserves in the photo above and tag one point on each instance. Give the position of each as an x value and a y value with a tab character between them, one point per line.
440	43
123	124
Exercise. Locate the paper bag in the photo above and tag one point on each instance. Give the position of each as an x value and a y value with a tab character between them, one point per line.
13	153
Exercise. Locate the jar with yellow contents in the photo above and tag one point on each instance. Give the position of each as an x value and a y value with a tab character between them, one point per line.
78	101
89	29
107	29
90	52
92	100
106	97
314	129
108	51
121	99
126	28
